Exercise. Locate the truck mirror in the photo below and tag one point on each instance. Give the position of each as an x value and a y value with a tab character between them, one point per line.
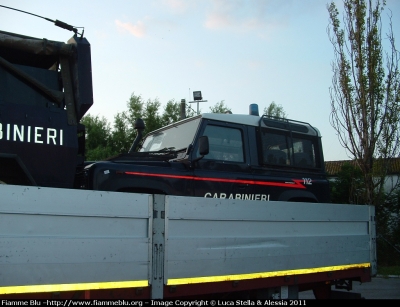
204	147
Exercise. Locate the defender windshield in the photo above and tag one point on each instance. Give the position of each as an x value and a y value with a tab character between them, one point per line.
174	137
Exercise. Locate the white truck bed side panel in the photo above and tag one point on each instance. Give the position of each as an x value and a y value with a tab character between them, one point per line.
217	237
61	236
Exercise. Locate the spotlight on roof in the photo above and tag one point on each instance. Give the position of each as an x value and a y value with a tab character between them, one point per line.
197	95
197	98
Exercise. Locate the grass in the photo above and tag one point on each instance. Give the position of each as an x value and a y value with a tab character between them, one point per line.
389	270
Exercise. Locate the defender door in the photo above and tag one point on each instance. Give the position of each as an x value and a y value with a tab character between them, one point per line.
224	171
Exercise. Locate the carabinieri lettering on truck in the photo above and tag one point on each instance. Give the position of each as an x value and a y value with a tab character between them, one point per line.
38	135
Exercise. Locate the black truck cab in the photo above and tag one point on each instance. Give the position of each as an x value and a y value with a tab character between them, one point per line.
45	89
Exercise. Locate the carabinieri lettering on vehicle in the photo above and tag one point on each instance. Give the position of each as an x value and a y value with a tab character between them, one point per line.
38	135
263	197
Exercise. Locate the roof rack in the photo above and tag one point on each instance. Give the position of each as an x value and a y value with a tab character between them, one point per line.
288	125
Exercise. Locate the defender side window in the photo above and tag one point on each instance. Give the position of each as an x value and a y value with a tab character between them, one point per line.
303	153
226	144
275	149
279	148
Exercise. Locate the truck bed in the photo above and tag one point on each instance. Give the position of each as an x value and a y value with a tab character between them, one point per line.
64	240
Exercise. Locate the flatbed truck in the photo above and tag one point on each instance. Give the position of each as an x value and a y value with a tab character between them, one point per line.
217	205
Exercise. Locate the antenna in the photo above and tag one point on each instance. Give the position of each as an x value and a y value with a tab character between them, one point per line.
58	23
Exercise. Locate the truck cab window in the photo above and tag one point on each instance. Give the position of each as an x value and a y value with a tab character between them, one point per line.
226	143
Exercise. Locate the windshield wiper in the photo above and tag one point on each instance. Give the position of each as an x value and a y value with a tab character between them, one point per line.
167	149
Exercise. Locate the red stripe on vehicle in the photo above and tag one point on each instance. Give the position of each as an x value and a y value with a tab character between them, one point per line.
296	184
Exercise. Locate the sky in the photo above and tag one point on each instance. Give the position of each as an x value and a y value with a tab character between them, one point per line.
237	51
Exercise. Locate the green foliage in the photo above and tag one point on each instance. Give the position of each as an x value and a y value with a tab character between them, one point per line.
98	138
171	113
122	134
388	229
137	108
347	187
389	270
220	107
275	110
151	116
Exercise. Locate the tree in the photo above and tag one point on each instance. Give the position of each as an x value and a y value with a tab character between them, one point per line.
124	132
171	113
98	138
220	107
387	213
348	186
275	110
148	111
365	92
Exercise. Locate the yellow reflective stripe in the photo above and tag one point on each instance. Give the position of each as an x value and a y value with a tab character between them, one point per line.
73	287
171	282
196	280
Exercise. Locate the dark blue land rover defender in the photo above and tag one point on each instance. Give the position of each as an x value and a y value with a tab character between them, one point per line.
221	156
